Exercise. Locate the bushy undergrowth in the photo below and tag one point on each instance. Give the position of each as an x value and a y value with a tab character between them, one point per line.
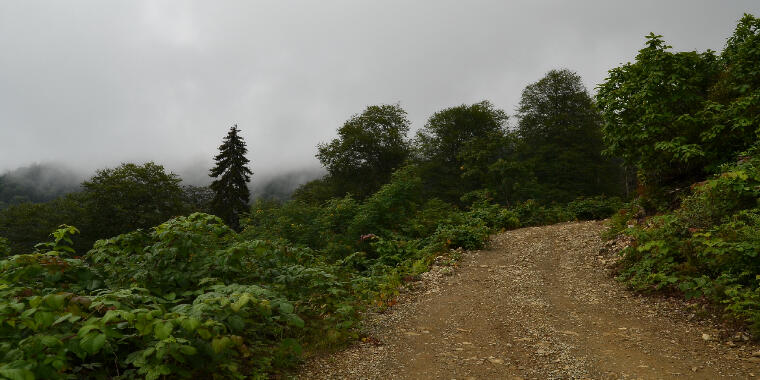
594	208
5	248
531	213
708	247
191	298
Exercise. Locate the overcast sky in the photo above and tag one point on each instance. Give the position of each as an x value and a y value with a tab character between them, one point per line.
94	83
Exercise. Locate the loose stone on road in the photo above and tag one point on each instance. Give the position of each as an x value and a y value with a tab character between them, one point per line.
537	304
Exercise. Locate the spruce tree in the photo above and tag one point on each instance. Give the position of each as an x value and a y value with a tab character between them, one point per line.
231	194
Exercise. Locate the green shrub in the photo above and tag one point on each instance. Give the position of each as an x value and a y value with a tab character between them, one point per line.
225	331
175	256
188	299
5	247
467	236
385	212
493	215
708	247
594	208
191	298
531	213
623	219
429	216
293	221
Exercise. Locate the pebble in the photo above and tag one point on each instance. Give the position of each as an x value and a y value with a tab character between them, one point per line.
494	360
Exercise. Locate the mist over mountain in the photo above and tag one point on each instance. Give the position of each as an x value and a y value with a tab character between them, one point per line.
42	182
37	182
280	186
276	182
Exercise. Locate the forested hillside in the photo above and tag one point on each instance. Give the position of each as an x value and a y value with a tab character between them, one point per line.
144	278
36	183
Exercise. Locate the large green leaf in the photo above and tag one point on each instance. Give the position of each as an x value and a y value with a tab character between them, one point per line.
162	330
17	374
92	342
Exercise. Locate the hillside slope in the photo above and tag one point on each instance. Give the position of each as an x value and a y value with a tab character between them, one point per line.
538	304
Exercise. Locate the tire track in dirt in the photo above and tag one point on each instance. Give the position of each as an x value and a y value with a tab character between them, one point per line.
537	304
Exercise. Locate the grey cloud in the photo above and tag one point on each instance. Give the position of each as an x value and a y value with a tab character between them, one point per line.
91	84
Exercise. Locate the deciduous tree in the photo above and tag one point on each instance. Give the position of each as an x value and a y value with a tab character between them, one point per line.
679	116
650	110
130	196
560	132
451	137
369	147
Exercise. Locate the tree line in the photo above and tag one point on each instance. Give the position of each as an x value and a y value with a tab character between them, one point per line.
656	125
551	154
131	196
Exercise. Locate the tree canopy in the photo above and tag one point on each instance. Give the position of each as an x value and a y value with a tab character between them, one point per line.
678	116
36	183
559	129
369	147
447	135
131	196
650	110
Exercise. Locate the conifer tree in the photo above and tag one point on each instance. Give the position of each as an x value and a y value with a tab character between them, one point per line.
231	194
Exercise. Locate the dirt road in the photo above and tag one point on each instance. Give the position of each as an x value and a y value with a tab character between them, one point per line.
537	304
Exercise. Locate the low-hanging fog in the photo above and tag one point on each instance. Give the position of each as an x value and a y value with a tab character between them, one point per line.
85	85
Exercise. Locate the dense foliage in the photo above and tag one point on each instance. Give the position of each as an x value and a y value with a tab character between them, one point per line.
708	247
370	146
131	196
5	248
169	292
561	140
447	138
114	201
179	300
192	298
27	224
231	173
679	117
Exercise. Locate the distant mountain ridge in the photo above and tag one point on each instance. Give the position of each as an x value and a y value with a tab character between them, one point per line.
38	182
43	182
